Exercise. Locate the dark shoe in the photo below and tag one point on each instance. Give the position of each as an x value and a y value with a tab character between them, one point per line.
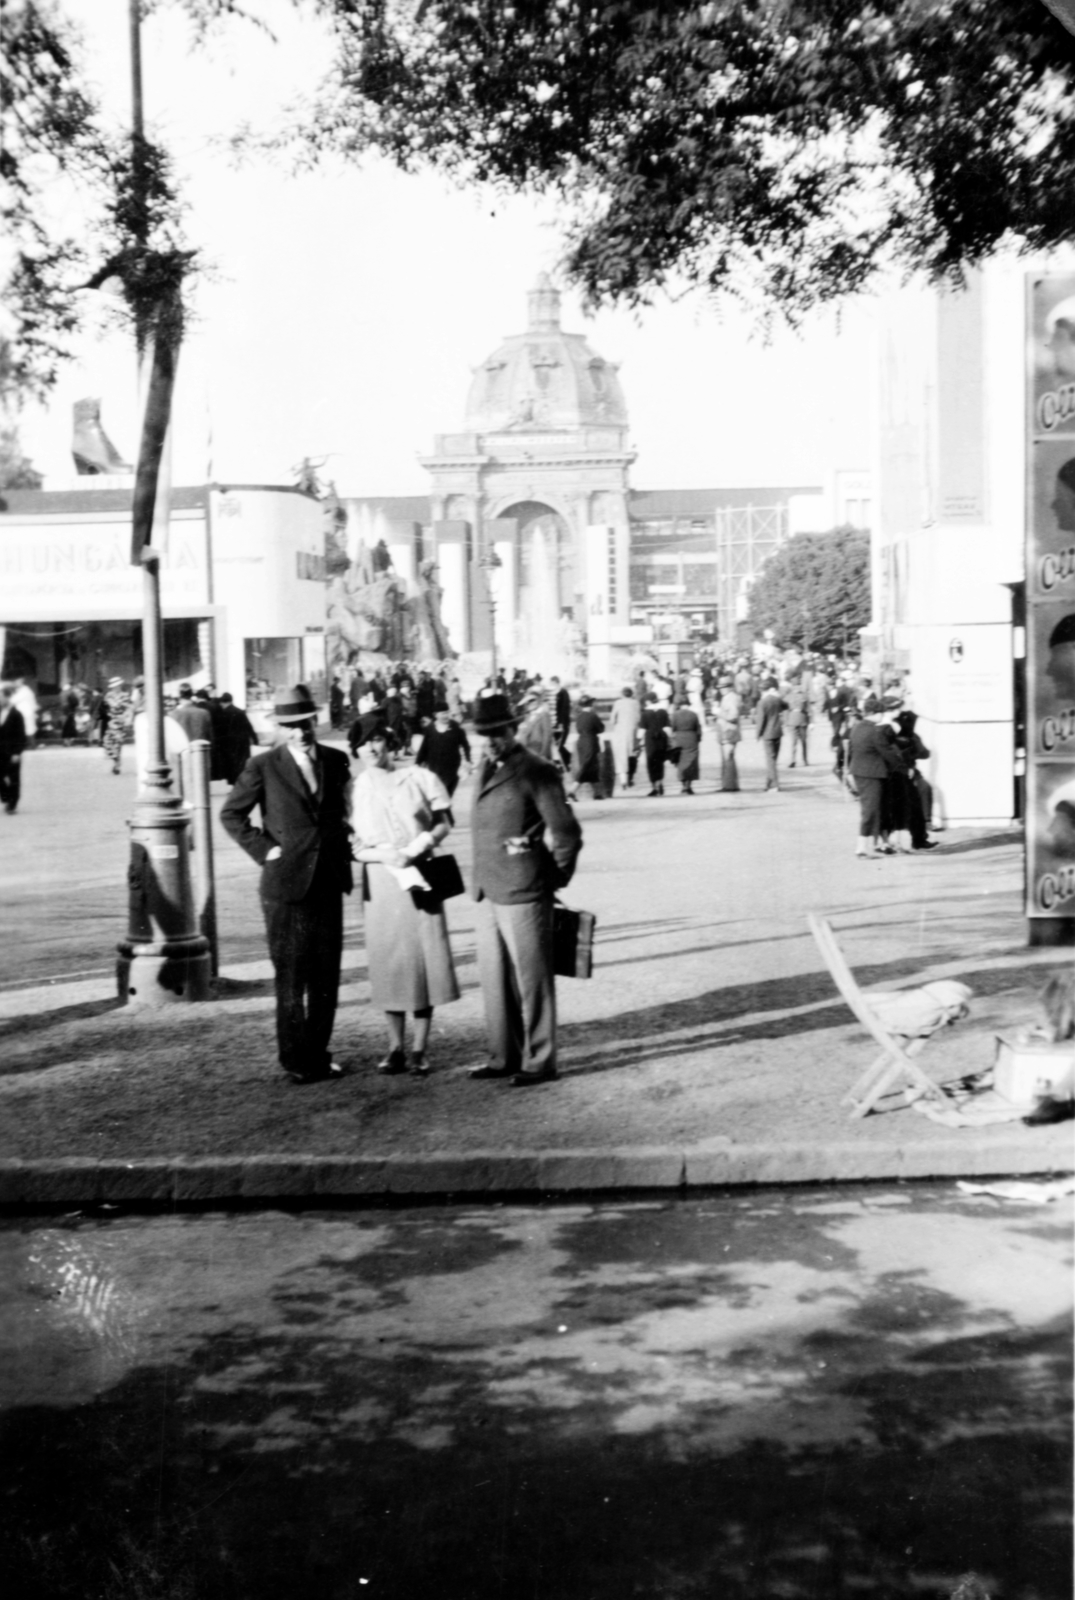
1049	1110
328	1074
490	1071
930	844
651	794
419	1064
526	1080
886	849
395	1061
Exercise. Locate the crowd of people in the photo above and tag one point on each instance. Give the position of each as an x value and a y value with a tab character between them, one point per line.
541	747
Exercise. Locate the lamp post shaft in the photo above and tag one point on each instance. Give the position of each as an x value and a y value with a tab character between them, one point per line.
163	958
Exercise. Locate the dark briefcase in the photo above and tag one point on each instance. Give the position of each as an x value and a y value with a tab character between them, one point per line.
572	942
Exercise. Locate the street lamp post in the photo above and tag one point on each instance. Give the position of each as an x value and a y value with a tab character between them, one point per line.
163	958
493	568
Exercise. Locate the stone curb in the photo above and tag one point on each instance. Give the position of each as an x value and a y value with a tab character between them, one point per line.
210	1180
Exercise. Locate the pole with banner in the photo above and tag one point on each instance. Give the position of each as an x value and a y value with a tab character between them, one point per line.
1050	609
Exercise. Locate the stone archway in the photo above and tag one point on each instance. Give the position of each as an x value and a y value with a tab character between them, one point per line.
546	555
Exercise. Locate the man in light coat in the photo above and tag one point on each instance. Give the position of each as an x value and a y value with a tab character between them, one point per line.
519	804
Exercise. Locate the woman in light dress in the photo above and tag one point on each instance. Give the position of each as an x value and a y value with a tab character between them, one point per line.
400	815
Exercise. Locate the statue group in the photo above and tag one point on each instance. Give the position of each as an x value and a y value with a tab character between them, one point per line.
371	609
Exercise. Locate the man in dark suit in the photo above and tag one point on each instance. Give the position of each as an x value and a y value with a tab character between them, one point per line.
519	802
12	744
769	727
560	707
304	850
236	740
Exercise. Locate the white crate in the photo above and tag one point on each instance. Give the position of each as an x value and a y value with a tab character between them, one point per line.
1027	1068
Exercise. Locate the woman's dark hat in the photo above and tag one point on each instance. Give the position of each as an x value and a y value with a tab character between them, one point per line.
492	713
372	727
293	704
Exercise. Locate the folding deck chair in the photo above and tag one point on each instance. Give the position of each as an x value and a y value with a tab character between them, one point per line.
897	1058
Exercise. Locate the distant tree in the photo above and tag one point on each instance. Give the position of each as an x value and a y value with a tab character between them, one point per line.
783	148
17	471
814	590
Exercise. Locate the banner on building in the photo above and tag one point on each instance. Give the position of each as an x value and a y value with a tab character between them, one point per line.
1050	593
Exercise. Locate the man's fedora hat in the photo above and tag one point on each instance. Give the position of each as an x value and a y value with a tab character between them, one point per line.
492	712
293	704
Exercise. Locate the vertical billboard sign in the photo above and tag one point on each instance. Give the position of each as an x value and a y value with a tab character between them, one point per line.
1050	593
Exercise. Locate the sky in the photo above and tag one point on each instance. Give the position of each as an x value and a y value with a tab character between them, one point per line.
345	308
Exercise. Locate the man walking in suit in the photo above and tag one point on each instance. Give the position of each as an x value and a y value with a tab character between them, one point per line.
304	850
12	745
769	727
193	715
560	710
518	802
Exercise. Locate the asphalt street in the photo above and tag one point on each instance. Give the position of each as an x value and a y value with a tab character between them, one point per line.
791	1393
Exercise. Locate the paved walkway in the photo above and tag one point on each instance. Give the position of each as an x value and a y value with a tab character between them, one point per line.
710	1048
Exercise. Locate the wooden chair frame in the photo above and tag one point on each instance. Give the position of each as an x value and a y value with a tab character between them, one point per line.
897	1058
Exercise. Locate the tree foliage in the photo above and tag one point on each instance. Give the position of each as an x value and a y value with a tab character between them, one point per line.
781	148
129	228
814	590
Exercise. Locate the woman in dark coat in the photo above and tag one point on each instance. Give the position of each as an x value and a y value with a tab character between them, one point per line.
686	736
872	757
918	796
654	725
586	766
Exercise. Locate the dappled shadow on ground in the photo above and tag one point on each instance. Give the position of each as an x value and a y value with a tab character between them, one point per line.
700	1024
36	1022
721	935
344	1453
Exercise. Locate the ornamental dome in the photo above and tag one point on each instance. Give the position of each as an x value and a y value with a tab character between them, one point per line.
544	378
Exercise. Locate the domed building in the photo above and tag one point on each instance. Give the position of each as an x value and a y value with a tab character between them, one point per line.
538	480
532	527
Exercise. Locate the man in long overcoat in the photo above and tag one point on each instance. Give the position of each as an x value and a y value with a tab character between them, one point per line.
304	850
526	844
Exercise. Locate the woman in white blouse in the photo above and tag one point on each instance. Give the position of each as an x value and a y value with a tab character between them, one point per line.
399	816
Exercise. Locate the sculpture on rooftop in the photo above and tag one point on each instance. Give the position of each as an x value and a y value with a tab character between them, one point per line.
91	447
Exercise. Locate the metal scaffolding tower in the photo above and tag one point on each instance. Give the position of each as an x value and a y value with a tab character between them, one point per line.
746	538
